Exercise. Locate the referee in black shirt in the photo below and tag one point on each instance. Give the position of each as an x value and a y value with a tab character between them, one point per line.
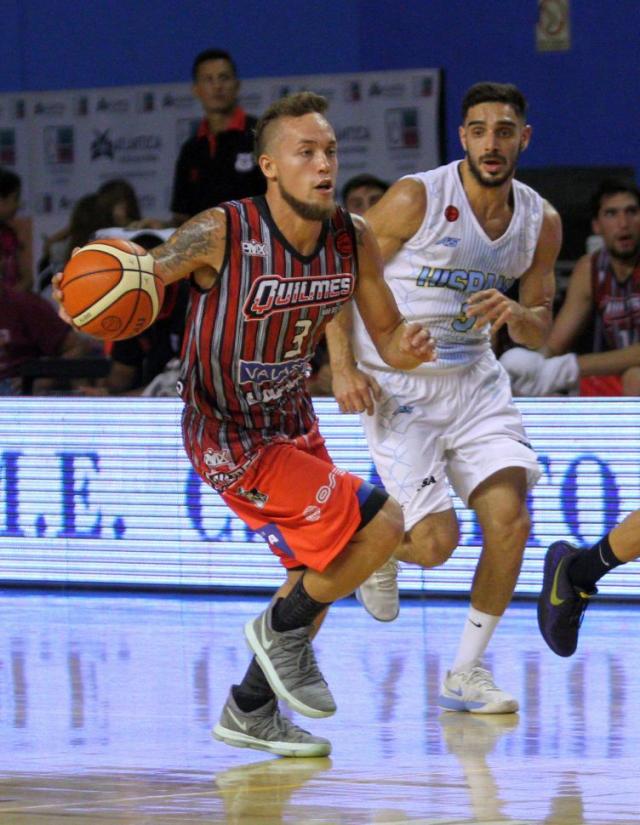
217	163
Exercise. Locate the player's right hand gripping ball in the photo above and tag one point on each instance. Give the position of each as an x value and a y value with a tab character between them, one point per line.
110	289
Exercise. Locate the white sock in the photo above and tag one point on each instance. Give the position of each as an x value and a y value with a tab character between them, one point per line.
478	630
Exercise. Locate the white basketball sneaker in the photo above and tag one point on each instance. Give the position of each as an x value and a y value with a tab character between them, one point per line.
379	593
474	691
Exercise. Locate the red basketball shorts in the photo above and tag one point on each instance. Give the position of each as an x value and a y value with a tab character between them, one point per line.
306	508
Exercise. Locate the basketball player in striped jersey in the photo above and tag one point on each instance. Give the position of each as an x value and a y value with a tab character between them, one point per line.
268	273
453	240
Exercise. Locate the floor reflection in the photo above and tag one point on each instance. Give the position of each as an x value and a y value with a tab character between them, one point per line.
106	706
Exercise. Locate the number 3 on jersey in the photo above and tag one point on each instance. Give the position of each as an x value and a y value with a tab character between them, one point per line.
302	330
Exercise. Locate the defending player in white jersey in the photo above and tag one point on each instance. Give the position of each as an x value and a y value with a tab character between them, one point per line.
454	239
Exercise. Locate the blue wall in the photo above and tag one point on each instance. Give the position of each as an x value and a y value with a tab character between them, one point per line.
584	103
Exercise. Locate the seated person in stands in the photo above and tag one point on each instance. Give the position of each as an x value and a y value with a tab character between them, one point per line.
87	216
30	328
604	291
114	204
14	271
361	191
118	200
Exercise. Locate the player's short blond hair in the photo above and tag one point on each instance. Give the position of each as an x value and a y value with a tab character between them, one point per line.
295	105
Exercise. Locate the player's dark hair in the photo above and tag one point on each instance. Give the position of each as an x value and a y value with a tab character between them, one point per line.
9	182
489	92
363	179
212	54
612	186
295	105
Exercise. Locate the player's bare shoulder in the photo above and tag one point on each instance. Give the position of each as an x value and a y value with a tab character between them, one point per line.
398	214
197	246
551	223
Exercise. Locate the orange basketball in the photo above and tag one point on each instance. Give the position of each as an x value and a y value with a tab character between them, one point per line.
110	289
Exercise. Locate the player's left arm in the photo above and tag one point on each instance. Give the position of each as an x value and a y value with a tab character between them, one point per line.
400	344
529	318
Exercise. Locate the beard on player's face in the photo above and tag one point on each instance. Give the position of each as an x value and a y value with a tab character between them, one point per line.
304	209
624	254
497	180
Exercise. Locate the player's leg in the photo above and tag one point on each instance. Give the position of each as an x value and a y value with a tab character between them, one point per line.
500	504
491	467
570	577
406	440
429	543
251	716
631	382
286	625
340	529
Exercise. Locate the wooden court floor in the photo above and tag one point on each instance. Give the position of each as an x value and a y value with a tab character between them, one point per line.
107	702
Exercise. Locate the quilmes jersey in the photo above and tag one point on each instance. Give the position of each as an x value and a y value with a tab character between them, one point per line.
617	305
449	258
249	340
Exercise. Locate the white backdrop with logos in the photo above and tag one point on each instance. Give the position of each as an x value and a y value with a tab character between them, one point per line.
65	144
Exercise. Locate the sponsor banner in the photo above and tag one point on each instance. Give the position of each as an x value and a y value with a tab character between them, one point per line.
99	491
65	144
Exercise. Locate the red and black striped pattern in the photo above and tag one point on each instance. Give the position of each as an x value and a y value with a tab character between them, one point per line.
249	340
617	305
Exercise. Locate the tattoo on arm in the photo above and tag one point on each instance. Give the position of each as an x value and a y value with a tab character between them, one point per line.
197	243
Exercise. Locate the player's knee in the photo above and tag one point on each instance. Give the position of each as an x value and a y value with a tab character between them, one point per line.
509	527
431	544
631	382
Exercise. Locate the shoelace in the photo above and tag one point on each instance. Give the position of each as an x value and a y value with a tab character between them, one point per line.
387	575
304	667
482	678
283	728
578	608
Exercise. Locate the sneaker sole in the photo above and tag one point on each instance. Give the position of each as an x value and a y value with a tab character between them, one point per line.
457	705
242	740
277	685
373	615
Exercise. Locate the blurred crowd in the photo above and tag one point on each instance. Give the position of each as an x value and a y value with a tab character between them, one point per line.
593	348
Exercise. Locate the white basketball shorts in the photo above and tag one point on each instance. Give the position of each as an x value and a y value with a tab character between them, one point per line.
455	428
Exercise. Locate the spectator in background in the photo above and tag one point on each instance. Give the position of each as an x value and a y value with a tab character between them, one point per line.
217	163
114	204
604	289
119	202
30	328
13	269
87	216
361	192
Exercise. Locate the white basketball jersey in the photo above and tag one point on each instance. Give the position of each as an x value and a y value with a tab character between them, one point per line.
449	258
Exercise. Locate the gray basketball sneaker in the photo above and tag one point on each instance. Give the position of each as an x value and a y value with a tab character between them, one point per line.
266	729
289	665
